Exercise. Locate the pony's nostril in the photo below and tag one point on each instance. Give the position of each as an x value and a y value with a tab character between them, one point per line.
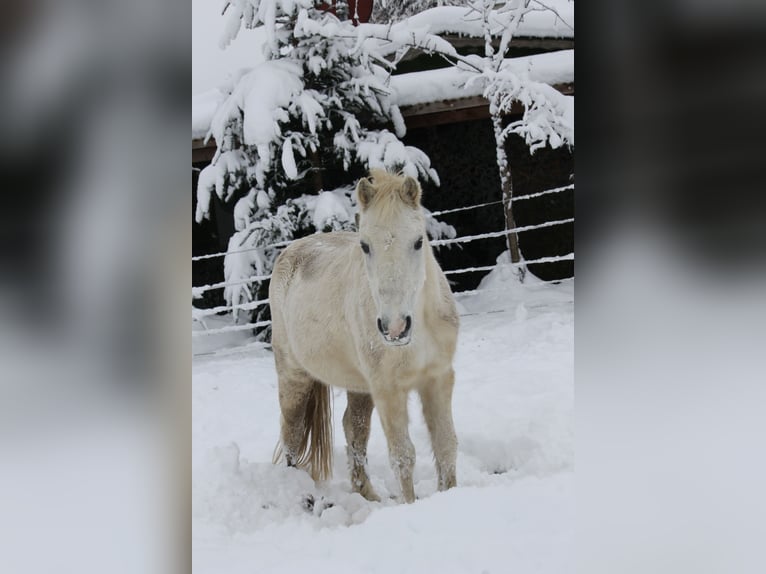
407	324
380	326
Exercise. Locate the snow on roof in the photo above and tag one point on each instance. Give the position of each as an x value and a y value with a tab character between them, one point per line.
537	24
448	83
423	87
212	67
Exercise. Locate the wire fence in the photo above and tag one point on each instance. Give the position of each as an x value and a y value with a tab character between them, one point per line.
433	214
554	259
197	291
199	314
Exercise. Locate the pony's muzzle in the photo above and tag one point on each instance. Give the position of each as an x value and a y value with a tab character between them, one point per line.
396	332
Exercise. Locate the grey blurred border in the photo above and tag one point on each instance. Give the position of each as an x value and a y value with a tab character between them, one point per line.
671	285
94	334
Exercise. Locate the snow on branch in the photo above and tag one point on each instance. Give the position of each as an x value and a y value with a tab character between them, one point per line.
221	177
254	13
383	150
548	117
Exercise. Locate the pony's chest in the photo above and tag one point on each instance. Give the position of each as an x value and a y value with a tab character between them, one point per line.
423	361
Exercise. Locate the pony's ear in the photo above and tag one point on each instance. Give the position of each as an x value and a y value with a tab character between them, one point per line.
364	192
410	192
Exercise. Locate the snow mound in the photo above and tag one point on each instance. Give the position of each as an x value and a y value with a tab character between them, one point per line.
209	344
501	289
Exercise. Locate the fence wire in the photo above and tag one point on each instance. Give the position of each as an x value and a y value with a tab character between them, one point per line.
433	214
197	291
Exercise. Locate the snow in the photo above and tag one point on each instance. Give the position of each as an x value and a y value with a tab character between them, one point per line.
331	206
203	110
449	83
261	95
288	160
277	81
244	210
217	343
230	168
536	24
236	266
511	512
211	64
386	151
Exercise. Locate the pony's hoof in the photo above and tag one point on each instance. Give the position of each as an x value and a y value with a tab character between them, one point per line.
371	495
307	503
368	492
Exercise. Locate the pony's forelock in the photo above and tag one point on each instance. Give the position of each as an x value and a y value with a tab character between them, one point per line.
387	198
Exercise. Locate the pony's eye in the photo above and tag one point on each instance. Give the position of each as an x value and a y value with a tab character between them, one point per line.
365	247
419	243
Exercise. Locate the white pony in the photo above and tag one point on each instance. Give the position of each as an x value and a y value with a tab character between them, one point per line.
370	312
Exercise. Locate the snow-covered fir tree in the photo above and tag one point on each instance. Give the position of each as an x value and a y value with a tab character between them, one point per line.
318	106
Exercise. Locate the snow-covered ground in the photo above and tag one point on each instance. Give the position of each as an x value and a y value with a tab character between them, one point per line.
511	512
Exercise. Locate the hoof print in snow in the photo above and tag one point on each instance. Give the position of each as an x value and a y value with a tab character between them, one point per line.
500	471
316	507
307	503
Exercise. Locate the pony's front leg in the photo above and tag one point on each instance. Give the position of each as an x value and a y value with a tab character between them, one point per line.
436	397
356	424
392	408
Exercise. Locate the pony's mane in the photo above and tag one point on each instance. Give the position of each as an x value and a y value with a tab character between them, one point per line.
387	186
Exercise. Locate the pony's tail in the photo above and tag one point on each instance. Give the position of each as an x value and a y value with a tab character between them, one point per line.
315	451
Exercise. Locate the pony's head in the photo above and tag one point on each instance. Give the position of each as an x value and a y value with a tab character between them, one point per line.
392	235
